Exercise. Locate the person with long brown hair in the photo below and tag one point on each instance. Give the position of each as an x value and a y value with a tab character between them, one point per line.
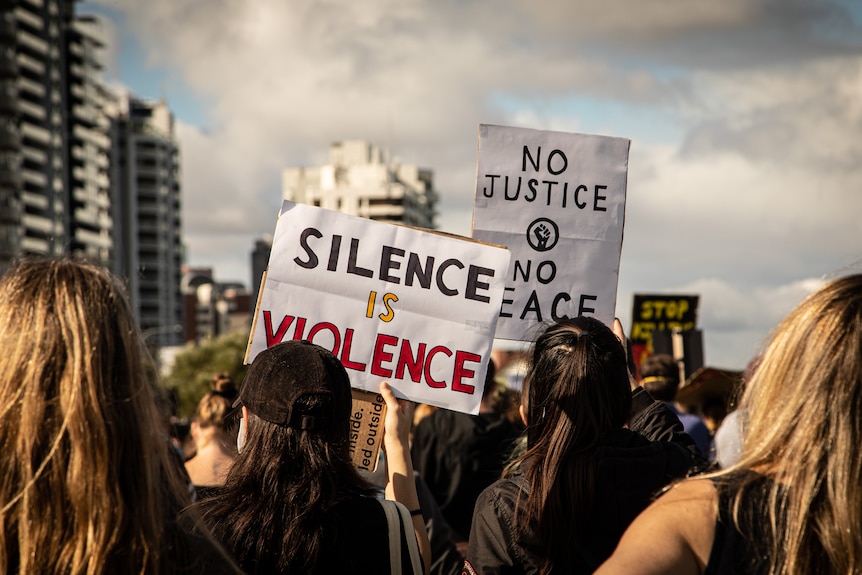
88	482
792	503
598	447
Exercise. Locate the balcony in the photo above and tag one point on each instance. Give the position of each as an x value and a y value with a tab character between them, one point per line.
9	138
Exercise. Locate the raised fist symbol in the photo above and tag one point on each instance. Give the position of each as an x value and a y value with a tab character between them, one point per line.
543	234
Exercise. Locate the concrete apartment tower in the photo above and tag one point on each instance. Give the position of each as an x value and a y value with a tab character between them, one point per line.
359	181
34	146
89	203
145	175
54	188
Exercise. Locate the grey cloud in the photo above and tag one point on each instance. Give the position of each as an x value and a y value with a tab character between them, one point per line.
762	190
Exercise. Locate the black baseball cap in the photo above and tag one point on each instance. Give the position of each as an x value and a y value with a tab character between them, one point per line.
282	374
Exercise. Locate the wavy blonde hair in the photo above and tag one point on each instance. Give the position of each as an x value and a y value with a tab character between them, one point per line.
87	484
805	433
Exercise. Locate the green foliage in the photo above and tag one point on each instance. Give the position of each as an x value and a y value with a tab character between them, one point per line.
195	366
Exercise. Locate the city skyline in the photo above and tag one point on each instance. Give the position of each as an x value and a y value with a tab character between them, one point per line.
743	116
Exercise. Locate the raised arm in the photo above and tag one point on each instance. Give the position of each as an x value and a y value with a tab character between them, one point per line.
401	486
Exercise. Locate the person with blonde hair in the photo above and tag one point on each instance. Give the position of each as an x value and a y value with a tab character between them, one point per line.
88	483
215	446
792	504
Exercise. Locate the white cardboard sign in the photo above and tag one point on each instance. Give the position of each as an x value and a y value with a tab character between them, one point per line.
557	201
415	308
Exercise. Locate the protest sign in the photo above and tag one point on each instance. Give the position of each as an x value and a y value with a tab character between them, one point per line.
557	201
366	429
659	312
412	307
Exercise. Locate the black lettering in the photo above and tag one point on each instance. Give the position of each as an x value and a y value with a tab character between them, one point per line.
596	199
531	184
303	242
352	268
334	250
565	162
534	163
532	306
445	290
506	190
525	273
414	270
473	283
485	191
557	298
578	190
546	264
551	185
582	309
387	264
506	302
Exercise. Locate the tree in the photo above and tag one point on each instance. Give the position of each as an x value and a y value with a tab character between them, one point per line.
195	366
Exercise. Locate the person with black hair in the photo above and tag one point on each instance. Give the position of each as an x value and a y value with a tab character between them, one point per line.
660	376
293	502
598	448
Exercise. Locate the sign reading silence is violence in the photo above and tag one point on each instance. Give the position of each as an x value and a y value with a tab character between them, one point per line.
416	308
557	201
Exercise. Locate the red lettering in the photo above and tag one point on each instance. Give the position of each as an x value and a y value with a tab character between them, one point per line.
325	325
461	371
428	379
406	359
345	352
381	355
300	328
278	336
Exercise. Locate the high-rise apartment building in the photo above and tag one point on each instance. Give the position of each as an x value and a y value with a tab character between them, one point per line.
34	181
54	188
145	175
83	171
359	181
88	205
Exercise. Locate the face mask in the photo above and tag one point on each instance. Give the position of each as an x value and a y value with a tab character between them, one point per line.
240	437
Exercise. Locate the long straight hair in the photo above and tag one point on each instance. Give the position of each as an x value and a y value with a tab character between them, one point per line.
273	509
87	484
804	432
576	392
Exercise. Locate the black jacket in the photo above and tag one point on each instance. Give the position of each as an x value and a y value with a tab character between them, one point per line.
632	465
459	455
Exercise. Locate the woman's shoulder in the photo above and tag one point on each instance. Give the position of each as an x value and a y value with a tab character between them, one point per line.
676	533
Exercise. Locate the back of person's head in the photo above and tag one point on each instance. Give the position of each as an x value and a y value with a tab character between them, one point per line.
576	392
295	460
216	403
660	376
804	430
83	453
576	389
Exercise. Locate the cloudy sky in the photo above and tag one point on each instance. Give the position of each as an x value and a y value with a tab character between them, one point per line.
745	116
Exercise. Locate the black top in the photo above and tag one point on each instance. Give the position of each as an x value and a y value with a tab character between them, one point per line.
734	552
458	455
632	465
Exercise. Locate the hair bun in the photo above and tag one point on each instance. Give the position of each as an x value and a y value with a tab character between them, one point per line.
222	383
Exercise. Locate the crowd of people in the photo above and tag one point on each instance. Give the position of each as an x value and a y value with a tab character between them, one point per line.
593	471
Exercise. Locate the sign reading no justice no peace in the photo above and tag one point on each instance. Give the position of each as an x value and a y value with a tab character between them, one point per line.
557	201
